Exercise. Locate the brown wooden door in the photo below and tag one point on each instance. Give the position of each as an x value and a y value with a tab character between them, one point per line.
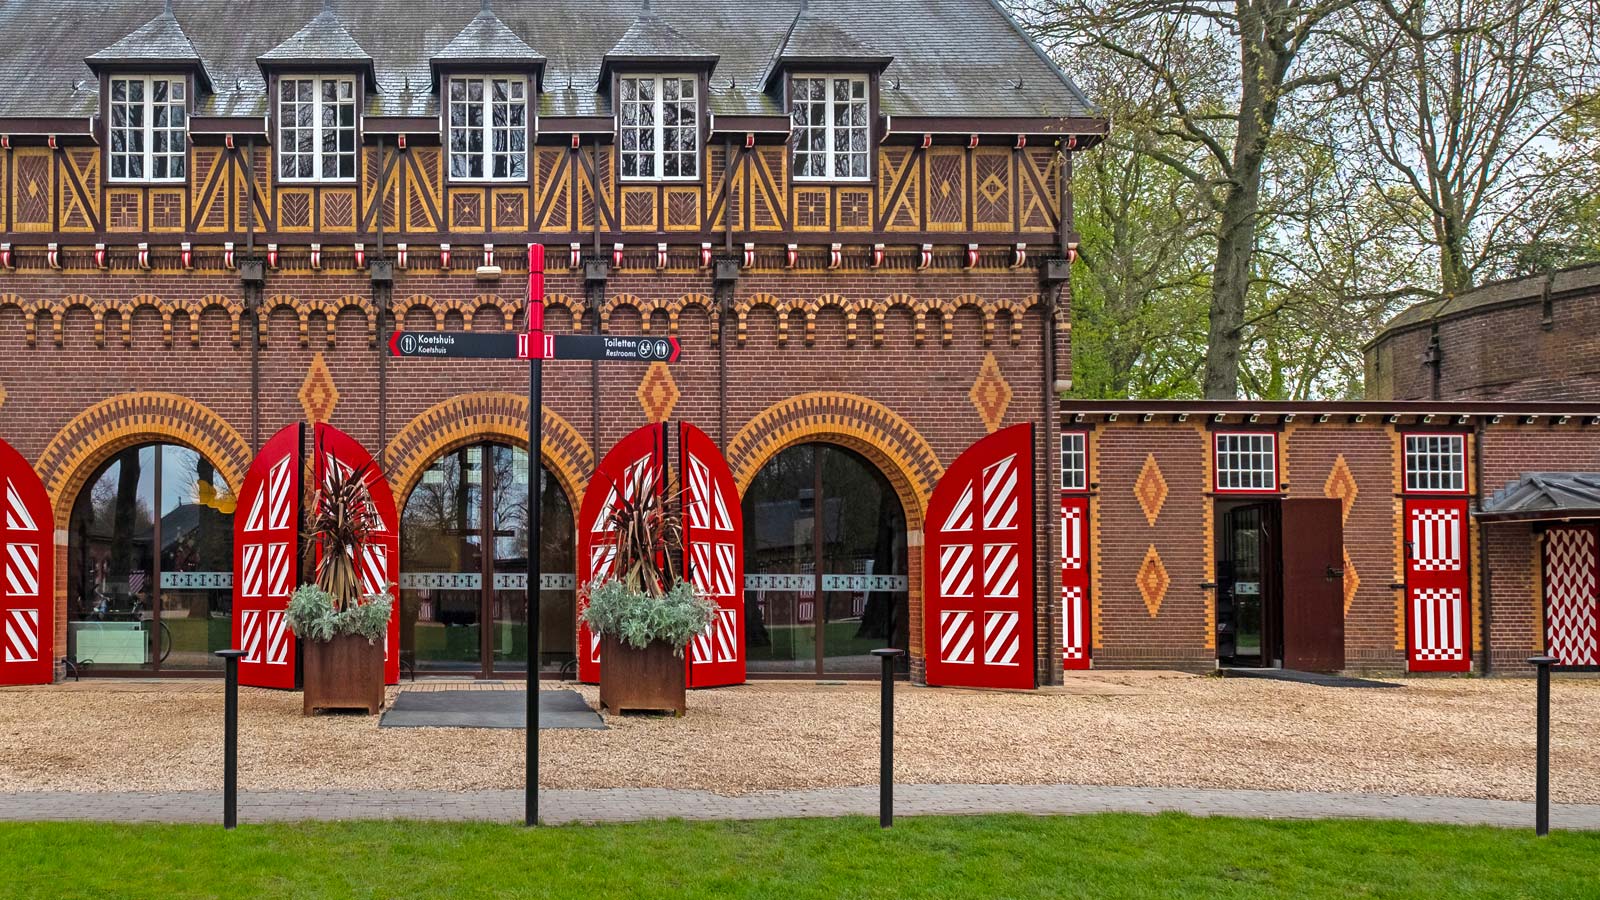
1313	585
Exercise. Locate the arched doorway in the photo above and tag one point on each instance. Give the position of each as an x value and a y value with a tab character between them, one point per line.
826	578
464	566
150	563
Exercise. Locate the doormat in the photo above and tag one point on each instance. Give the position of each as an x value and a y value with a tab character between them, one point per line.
488	709
1316	678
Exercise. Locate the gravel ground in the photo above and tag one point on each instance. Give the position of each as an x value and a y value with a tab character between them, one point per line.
1454	737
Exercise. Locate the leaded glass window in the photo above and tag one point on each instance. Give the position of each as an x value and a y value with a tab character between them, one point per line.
316	129
488	128
659	127
149	129
830	127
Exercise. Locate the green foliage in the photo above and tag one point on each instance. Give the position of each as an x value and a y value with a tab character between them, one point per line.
637	618
313	615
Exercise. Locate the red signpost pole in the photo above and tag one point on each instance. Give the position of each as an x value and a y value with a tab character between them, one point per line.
535	486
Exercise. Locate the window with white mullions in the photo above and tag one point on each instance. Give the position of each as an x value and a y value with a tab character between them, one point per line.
316	129
149	129
1436	463
1074	461
1247	461
830	127
658	122
488	128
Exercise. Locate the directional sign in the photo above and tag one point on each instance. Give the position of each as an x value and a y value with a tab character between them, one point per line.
455	344
606	347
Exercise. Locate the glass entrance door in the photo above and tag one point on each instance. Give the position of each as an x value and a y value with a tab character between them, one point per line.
464	565
1246	584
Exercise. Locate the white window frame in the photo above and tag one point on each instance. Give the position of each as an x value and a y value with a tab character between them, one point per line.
1074	461
516	97
658	127
318	133
1437	458
831	152
1236	462
177	99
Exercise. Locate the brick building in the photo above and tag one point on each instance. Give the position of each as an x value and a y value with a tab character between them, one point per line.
215	215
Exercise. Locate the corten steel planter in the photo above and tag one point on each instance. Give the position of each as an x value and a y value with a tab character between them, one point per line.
344	673
648	680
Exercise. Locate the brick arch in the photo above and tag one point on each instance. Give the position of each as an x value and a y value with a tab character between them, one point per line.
488	415
126	420
863	425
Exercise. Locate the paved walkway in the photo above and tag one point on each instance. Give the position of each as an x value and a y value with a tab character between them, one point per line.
634	804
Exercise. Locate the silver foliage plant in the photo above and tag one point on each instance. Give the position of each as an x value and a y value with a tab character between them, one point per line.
312	616
637	618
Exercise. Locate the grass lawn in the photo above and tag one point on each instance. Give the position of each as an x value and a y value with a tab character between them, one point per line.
989	857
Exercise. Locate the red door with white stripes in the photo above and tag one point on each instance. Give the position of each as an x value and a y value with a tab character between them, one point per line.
1438	586
713	559
635	463
266	542
979	565
27	607
1572	594
380	557
1074	550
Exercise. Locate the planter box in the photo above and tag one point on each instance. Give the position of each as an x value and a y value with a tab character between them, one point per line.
648	680
344	673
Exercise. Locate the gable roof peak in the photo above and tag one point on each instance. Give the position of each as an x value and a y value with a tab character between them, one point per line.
324	39
813	40
487	39
160	40
651	39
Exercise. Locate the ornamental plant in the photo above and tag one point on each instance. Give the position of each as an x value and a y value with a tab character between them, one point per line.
644	599
342	519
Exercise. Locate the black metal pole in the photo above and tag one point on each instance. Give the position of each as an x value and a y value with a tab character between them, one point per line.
1541	790
230	739
886	738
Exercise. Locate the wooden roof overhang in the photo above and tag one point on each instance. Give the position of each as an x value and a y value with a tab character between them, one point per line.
1074	132
1437	414
47	130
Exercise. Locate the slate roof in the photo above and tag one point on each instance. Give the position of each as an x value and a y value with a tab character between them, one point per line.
1516	290
1546	495
161	40
811	39
950	57
487	39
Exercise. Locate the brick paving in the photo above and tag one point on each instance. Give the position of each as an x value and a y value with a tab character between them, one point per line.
640	804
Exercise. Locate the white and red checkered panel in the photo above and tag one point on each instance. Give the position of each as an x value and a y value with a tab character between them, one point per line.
1572	595
713	559
27	596
634	463
379	566
1438	586
1074	582
266	543
979	566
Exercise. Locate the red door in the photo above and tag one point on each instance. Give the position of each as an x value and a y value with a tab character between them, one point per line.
27	608
713	559
1074	582
1438	630
979	565
266	550
380	558
1572	595
638	456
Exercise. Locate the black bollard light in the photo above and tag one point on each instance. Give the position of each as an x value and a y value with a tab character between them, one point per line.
1541	790
886	738
230	739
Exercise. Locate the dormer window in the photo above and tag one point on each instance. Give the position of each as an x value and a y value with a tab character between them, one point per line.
659	126
149	128
489	128
830	127
317	129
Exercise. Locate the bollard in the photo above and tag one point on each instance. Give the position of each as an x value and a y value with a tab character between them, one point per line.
886	739
1541	790
230	739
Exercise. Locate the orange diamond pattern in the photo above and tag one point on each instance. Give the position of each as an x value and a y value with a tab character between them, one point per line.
1341	486
991	393
1151	489
1352	582
658	393
318	396
1153	581
2	395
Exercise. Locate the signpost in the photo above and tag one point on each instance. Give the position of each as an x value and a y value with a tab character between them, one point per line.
534	346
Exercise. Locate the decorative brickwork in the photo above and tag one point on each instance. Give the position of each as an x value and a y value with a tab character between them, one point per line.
318	394
1153	581
1341	486
469	418
658	392
113	425
1151	489
990	393
118	314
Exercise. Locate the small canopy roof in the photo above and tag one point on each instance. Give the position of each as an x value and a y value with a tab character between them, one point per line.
487	39
1545	495
323	40
161	41
651	40
813	41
